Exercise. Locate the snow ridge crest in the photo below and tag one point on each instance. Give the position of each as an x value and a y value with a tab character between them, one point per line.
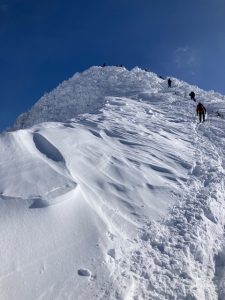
85	93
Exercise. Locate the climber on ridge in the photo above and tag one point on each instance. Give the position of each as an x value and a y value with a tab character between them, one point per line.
192	95
169	82
201	111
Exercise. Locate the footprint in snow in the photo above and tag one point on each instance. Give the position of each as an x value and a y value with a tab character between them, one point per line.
84	272
112	253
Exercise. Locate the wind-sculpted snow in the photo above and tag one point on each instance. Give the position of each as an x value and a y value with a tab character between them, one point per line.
45	147
124	203
31	174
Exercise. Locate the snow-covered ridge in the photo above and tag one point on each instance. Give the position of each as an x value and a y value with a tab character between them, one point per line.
85	93
123	200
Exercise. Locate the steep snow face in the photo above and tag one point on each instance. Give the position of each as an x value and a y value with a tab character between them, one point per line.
86	92
125	202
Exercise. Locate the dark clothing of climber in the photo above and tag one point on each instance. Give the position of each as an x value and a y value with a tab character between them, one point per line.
201	111
192	95
169	82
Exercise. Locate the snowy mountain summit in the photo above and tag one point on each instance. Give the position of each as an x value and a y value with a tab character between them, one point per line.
87	92
110	189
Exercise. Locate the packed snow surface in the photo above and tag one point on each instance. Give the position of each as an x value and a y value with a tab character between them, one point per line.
111	189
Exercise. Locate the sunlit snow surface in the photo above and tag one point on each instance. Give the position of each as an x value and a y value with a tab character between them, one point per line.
121	196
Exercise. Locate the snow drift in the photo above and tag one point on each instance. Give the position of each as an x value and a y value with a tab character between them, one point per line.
110	189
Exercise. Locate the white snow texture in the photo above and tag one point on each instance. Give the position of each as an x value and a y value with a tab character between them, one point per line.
111	189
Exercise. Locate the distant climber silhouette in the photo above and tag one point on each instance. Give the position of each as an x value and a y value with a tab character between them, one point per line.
169	82
201	111
104	65
192	95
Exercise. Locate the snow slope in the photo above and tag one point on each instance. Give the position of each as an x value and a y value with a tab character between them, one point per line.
119	194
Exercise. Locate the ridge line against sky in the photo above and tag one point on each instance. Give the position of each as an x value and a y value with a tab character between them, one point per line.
45	42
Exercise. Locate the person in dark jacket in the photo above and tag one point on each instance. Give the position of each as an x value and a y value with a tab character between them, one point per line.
201	111
169	82
192	95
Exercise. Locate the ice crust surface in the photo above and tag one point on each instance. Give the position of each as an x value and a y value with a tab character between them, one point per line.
110	189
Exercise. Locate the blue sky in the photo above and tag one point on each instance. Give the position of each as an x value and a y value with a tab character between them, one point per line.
45	42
